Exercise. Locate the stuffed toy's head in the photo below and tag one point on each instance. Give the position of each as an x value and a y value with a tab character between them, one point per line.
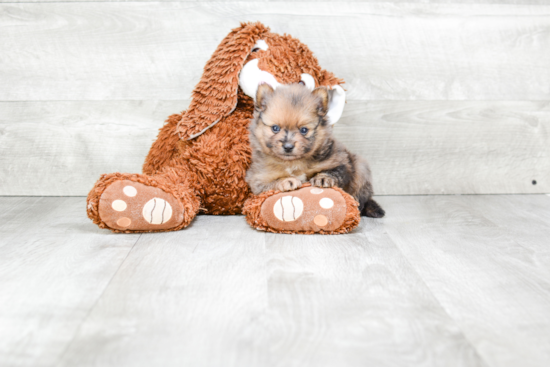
248	56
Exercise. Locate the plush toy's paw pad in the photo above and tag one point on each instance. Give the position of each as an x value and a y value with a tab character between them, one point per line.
308	209
132	206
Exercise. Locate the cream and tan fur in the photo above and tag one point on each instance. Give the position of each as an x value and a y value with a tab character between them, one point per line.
292	143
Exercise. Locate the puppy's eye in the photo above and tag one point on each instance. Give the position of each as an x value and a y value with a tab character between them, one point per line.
275	128
304	130
255	49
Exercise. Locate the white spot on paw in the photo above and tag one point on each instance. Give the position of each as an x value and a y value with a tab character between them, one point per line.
124	222
316	191
326	203
130	191
119	205
157	211
288	208
320	220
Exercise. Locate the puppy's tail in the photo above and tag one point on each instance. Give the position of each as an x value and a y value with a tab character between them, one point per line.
372	209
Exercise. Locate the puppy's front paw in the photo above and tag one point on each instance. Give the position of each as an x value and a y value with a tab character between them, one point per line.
289	184
323	181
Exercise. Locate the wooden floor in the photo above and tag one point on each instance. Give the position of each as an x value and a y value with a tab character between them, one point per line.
441	281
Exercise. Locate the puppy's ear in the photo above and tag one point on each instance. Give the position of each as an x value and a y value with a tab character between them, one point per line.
322	94
263	94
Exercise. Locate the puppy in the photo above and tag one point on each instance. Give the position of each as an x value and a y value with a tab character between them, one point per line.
292	143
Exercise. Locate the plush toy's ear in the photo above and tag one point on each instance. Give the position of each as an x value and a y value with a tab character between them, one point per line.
322	94
336	104
337	96
215	96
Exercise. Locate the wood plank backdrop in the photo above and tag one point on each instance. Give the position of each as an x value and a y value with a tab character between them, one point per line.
445	97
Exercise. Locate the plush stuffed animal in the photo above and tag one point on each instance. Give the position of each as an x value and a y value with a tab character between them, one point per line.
200	157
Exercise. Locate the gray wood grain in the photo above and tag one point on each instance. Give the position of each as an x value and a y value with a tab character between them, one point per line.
450	147
61	148
54	265
188	298
152	50
491	285
453	281
530	215
233	297
414	147
351	300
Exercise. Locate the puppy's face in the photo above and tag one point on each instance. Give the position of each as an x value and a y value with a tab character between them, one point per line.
290	122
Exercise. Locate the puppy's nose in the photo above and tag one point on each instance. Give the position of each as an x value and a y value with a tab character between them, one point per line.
288	147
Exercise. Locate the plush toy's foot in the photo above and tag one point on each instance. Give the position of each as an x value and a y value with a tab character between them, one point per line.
128	205
307	210
139	203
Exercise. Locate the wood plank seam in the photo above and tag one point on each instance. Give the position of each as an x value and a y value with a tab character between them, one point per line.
464	334
90	310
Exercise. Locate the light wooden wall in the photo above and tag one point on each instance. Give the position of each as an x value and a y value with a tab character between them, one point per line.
444	97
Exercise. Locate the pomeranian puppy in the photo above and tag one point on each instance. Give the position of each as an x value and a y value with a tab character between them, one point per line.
292	143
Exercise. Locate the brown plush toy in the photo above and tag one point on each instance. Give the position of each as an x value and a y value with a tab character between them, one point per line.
200	157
